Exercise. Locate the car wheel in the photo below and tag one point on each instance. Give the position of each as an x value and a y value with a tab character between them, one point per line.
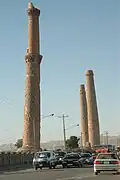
50	167
40	167
54	167
36	168
96	173
64	166
80	165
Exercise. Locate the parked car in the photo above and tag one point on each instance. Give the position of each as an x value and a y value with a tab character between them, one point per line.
106	162
44	159
72	159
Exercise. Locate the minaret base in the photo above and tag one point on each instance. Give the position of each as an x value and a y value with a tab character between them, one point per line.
27	149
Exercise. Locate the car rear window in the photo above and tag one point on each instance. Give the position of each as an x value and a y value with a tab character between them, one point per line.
107	156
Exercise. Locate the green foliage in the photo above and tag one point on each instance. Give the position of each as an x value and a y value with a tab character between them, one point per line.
72	142
19	143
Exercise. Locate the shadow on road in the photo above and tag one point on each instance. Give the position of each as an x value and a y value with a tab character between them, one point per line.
13	169
29	169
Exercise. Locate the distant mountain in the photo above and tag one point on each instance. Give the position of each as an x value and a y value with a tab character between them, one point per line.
53	145
8	147
115	140
47	145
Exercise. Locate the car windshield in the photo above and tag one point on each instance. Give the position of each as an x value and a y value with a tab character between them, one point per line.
62	154
107	156
72	156
85	155
41	155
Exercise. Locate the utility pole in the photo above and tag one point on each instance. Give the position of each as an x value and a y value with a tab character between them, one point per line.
106	135
64	128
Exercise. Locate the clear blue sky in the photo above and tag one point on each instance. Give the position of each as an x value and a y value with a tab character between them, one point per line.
75	36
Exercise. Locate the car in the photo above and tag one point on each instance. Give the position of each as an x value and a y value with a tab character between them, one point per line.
72	159
44	159
86	158
89	161
59	155
106	162
86	155
94	155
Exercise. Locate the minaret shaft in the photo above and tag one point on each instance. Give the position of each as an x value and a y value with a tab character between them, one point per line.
93	119
31	138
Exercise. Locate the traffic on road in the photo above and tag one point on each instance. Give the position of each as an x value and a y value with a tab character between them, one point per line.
60	165
51	160
101	162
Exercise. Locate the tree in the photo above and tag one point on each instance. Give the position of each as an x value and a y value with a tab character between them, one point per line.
72	142
19	143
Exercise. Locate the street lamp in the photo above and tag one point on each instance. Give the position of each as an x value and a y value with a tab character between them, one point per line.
106	135
64	128
48	116
75	125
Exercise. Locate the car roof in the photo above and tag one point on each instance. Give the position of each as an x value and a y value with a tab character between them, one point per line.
73	153
44	151
106	153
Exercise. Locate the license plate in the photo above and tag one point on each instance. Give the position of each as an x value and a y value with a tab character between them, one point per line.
41	165
106	162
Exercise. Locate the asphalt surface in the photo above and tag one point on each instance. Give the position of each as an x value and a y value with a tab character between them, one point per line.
57	174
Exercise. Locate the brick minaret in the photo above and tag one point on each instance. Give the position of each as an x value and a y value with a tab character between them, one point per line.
31	137
83	115
93	120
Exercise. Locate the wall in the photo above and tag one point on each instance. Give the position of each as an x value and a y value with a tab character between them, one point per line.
8	159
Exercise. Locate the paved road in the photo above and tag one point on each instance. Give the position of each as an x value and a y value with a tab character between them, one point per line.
57	174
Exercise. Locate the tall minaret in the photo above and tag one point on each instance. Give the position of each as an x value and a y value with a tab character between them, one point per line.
31	137
93	119
83	116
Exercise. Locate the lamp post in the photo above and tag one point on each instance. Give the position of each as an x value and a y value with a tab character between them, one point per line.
49	115
75	125
64	128
46	116
106	136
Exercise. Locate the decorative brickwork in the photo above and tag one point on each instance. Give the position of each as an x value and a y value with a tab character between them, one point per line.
33	12
33	58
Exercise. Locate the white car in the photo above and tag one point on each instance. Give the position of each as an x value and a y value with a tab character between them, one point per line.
106	162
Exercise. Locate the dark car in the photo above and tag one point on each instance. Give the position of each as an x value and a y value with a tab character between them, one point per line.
89	161
44	159
85	157
94	155
59	156
72	159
